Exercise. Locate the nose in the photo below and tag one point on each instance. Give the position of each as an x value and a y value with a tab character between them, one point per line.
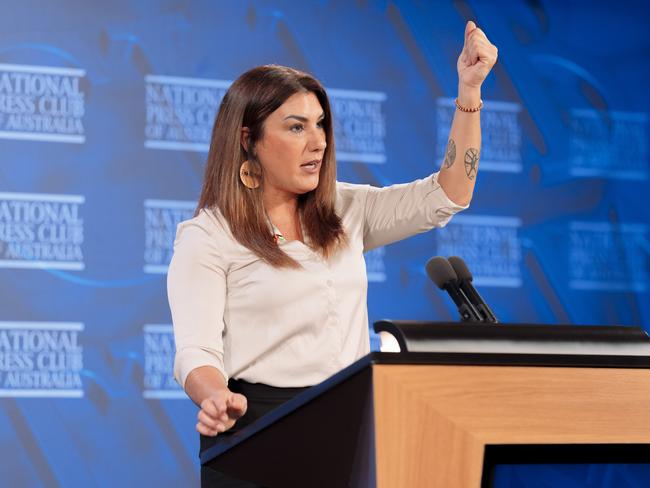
317	141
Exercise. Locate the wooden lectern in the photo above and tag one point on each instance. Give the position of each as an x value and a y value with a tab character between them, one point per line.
443	419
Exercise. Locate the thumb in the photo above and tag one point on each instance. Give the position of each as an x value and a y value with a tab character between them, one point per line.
237	402
469	27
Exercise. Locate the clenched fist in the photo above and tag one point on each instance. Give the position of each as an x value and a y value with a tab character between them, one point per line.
220	411
477	57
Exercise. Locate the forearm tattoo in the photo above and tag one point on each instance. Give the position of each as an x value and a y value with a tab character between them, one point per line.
471	162
450	154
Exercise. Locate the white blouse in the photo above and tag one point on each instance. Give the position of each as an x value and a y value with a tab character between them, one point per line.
288	327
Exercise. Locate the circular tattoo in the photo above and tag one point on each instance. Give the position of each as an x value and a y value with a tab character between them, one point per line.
471	162
450	154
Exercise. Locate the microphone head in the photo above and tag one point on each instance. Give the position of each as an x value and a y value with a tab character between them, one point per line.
440	271
461	269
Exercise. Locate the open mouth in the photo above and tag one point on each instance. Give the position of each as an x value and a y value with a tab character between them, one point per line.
311	164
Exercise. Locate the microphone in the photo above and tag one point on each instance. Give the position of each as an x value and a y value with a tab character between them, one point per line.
465	283
444	276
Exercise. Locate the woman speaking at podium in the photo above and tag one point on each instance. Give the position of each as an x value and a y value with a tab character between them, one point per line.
267	285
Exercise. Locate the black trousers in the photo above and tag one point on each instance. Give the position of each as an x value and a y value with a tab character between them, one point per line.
261	399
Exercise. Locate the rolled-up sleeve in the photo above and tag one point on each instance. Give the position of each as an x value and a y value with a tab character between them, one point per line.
196	289
395	212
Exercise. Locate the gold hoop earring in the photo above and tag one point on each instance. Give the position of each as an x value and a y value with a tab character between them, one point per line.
247	177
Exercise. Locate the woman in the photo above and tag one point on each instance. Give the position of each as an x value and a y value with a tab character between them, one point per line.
267	285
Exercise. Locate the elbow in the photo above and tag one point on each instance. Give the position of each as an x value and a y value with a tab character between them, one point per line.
460	195
462	199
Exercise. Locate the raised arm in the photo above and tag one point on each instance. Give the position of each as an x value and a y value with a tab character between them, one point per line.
460	165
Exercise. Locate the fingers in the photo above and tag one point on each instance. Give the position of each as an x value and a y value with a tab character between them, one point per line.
481	53
474	33
219	413
208	406
237	405
478	48
210	423
215	407
212	416
205	430
469	27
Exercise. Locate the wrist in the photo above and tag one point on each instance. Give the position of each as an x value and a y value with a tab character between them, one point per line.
469	96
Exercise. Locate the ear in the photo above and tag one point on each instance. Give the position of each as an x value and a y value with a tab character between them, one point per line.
245	134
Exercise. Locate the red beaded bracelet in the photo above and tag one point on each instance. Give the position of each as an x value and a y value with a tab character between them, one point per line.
469	110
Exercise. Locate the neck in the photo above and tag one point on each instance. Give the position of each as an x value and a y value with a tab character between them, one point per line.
280	206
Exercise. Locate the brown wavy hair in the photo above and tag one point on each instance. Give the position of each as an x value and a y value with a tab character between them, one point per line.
247	103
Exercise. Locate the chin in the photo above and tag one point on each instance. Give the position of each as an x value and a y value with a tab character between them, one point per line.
306	187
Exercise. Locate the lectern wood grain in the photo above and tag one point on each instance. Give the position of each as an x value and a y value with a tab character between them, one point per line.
433	421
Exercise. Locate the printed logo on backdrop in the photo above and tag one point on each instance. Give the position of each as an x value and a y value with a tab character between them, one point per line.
160	220
490	246
501	134
359	125
40	230
181	111
41	359
159	352
375	265
608	144
605	256
42	103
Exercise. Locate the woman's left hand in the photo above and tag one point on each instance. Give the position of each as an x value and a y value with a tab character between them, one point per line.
477	57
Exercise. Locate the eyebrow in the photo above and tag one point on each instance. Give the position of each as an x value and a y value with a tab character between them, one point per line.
301	118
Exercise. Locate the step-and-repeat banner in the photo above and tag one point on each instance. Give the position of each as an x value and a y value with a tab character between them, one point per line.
105	119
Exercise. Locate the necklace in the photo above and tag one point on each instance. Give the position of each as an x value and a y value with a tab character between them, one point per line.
277	234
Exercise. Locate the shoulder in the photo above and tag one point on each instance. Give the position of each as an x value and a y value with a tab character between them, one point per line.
350	195
207	228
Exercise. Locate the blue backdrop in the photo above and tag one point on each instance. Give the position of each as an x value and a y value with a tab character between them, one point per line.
105	116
